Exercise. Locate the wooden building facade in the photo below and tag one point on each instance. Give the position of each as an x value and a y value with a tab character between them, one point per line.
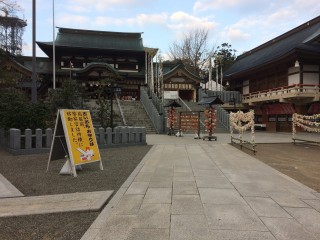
89	57
280	77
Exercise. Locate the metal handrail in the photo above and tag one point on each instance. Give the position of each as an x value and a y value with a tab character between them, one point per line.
121	111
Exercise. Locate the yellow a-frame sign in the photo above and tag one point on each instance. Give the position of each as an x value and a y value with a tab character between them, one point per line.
74	138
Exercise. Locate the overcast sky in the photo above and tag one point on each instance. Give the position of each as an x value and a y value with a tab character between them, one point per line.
244	24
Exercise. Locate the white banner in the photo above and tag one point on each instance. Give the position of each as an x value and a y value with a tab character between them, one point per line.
170	95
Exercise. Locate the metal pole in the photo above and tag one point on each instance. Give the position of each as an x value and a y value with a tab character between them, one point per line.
217	74
111	107
146	67
53	48
34	75
221	75
151	73
210	77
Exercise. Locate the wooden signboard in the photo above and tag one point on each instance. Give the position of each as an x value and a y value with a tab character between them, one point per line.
74	138
190	121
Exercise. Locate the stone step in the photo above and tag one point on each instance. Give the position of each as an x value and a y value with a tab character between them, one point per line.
135	115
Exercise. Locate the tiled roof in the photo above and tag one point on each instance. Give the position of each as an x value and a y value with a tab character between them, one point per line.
168	71
79	38
299	38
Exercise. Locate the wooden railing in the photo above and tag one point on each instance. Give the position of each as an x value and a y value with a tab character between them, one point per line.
295	90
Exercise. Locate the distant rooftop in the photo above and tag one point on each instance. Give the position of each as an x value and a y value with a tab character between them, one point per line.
305	37
91	39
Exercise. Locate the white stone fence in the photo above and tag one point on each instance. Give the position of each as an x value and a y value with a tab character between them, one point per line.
17	142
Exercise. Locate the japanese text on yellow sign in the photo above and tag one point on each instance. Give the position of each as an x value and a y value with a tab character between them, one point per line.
83	144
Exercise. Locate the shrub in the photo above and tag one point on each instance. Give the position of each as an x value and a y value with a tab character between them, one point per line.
16	111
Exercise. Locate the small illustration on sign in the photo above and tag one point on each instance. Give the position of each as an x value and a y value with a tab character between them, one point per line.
86	155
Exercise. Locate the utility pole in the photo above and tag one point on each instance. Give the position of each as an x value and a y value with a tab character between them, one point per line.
53	48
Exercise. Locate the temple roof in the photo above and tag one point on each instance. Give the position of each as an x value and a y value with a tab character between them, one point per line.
169	72
305	37
90	39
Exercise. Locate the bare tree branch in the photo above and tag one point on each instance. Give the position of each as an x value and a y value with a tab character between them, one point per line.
193	50
9	6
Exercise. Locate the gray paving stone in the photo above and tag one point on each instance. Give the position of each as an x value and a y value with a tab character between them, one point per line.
313	203
207	173
309	218
316	194
143	177
158	195
287	229
240	235
237	177
148	234
118	227
161	184
7	189
184	169
220	196
154	216
161	179
129	204
147	168
185	188
121	221
302	192
286	199
53	203
188	221
91	234
163	173
249	189
266	207
233	217
202	164
213	182
186	204
183	176
138	188
190	234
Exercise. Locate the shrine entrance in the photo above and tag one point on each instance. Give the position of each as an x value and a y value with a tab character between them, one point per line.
187	95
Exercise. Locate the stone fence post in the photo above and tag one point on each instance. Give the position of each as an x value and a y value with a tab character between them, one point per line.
28	138
15	138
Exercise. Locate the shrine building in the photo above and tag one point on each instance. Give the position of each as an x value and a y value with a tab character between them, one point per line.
280	77
89	56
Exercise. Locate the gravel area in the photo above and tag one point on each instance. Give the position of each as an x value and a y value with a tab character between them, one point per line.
28	174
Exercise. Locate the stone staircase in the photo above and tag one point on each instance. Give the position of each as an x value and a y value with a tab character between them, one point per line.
135	115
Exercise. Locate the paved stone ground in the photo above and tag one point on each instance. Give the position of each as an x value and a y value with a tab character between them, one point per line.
86	201
194	189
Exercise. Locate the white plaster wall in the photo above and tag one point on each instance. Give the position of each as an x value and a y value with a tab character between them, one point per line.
245	88
293	79
293	70
311	78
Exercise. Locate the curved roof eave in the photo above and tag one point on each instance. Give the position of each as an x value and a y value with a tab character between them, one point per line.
97	64
50	44
271	51
180	66
18	66
257	66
